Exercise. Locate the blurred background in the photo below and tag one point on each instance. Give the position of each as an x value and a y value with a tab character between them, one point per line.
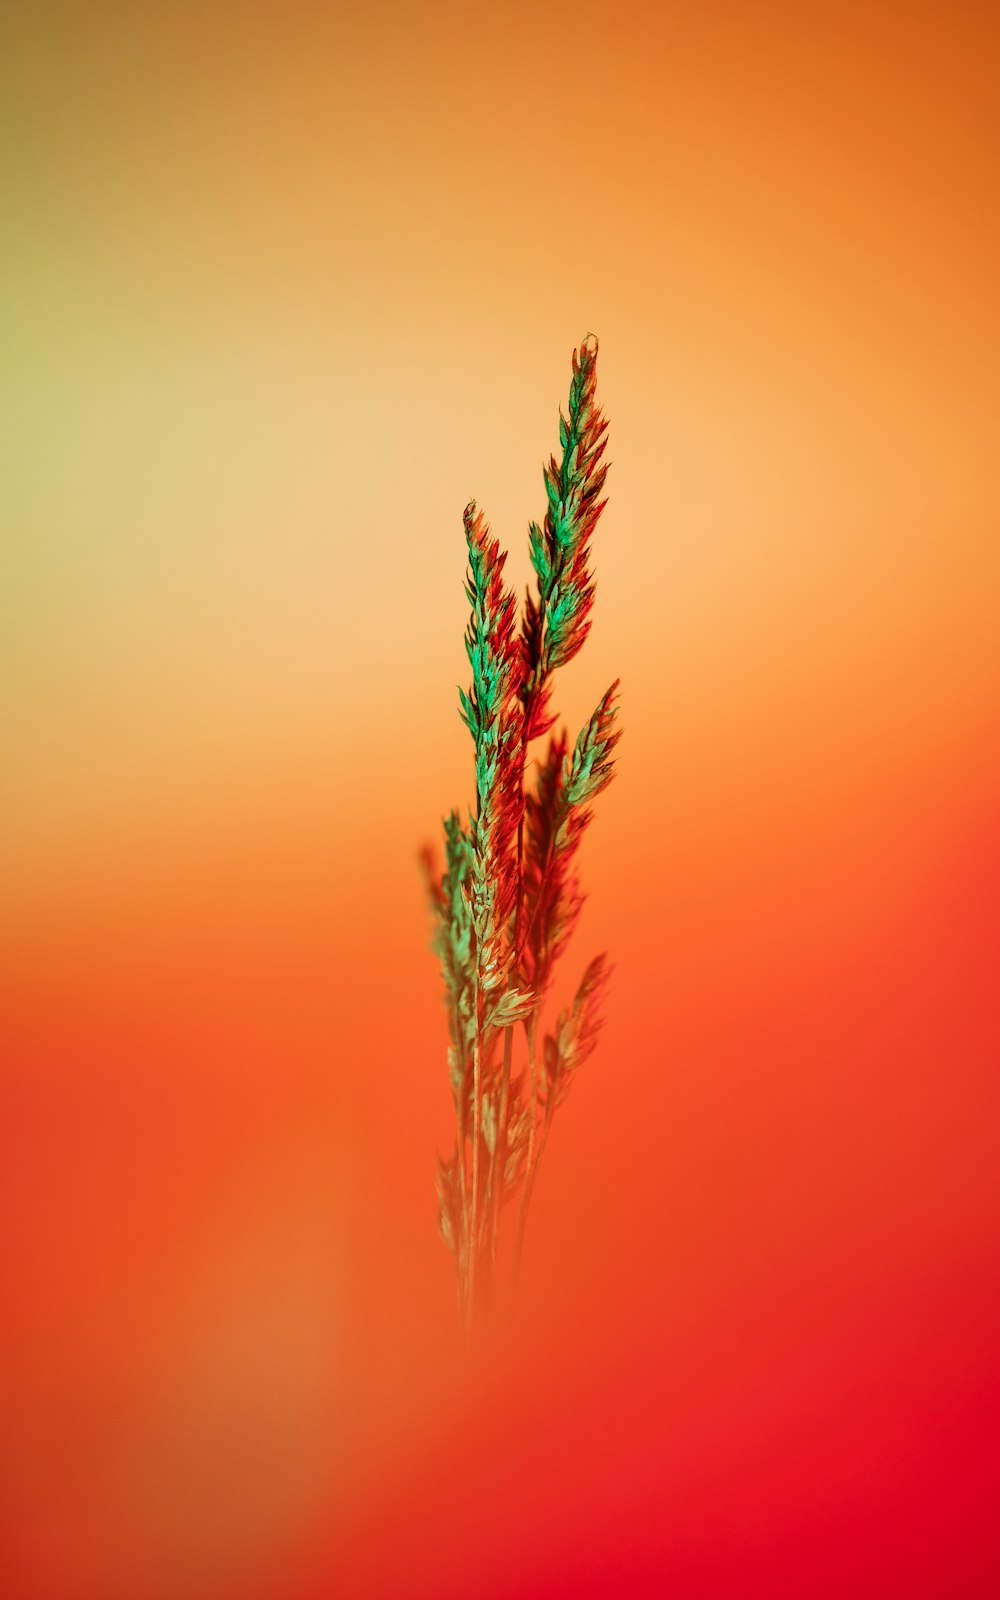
284	287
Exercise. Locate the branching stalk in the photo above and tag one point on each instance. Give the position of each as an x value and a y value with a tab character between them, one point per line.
508	899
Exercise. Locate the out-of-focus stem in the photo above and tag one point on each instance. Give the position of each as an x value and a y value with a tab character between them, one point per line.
477	1112
532	1159
499	1157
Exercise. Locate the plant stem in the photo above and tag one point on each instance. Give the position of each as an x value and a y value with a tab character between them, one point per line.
476	1128
500	1145
463	1134
499	1156
532	1161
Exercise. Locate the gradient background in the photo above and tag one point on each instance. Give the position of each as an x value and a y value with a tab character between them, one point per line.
285	287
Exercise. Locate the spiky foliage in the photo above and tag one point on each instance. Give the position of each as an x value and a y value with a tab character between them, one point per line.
508	895
575	1036
453	942
490	712
556	816
557	621
573	1041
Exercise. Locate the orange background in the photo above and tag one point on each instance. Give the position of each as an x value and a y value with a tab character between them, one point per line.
287	286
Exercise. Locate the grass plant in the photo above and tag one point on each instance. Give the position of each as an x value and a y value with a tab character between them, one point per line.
506	897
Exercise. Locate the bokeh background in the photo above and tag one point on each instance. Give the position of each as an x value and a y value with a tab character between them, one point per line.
284	287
